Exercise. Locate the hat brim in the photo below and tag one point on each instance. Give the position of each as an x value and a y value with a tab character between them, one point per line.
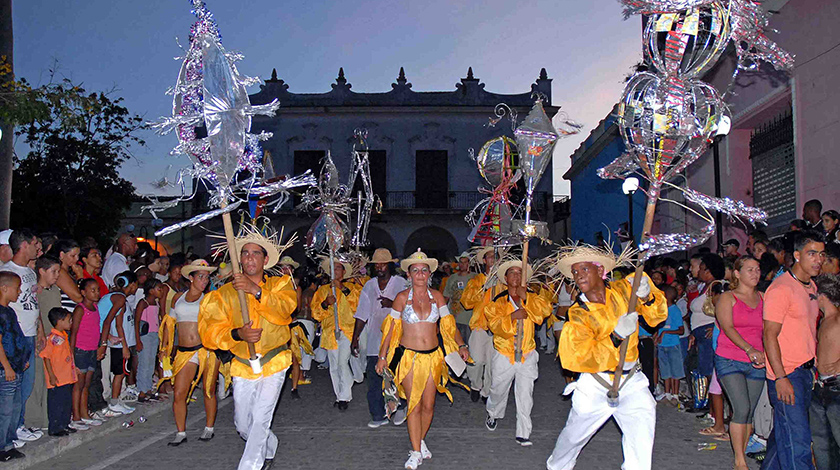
348	269
565	264
383	261
482	253
430	262
272	255
188	269
513	264
294	264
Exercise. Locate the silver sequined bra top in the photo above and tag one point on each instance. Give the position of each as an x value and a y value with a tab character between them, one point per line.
410	316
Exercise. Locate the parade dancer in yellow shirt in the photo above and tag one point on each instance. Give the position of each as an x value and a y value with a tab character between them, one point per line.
515	359
598	322
271	301
477	297
410	349
337	343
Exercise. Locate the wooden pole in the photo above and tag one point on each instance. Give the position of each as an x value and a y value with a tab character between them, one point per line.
637	279
237	269
335	295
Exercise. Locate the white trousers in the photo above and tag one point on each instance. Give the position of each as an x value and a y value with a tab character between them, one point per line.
340	372
106	374
482	351
306	359
523	374
359	364
254	403
635	415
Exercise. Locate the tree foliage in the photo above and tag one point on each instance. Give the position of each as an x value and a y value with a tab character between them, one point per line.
69	181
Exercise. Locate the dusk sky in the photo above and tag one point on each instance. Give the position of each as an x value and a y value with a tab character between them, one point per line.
585	45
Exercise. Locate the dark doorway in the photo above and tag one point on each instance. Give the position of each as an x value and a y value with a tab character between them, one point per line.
431	179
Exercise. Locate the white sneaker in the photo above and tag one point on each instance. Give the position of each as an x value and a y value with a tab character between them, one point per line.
120	409
424	451
18	443
28	435
92	422
415	459
126	405
78	426
129	394
106	413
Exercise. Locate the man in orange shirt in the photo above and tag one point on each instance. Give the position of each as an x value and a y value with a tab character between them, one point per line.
60	374
790	345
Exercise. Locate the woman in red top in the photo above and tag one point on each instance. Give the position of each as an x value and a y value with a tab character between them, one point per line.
739	356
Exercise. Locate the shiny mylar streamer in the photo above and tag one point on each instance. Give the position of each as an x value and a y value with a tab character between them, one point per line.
664	243
212	117
364	199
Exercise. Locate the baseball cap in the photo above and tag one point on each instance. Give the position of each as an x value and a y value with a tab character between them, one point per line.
4	236
732	242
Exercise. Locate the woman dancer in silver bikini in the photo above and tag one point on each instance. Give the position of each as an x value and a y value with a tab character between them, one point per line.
411	348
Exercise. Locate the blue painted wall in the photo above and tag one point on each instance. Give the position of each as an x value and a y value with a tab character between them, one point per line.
600	205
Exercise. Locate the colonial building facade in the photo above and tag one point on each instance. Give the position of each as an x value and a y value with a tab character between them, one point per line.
420	145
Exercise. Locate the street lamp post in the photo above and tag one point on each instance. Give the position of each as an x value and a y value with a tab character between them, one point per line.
629	187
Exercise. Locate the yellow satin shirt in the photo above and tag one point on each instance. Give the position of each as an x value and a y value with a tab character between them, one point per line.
585	343
219	314
504	327
477	299
347	305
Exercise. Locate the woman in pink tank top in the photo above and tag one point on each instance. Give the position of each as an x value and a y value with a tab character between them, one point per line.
739	356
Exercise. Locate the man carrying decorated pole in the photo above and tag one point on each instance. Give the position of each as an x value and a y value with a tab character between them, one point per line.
513	317
270	302
477	297
334	305
598	324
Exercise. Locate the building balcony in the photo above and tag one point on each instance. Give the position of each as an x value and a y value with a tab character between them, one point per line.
445	200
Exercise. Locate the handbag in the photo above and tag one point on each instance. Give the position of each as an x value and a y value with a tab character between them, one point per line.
709	301
144	328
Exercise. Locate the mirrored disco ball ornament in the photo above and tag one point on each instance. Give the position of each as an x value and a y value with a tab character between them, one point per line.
667	123
497	161
687	43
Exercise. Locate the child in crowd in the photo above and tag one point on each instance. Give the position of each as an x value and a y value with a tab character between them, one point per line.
146	331
60	372
84	340
14	349
118	333
670	355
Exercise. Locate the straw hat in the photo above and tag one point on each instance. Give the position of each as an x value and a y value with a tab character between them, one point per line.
288	261
503	268
418	257
325	266
197	265
571	255
225	271
482	253
382	255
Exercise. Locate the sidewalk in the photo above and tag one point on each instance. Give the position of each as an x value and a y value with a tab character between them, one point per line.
48	447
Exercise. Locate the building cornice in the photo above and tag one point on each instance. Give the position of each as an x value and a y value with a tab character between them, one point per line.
469	93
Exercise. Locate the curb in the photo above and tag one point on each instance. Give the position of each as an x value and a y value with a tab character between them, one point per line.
49	447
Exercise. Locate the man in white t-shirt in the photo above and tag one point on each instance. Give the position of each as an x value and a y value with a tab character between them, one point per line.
374	305
24	246
117	262
5	249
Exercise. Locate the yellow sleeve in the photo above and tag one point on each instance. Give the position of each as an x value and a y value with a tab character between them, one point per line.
214	322
498	318
537	308
473	294
318	313
396	335
654	309
447	332
278	301
166	335
585	344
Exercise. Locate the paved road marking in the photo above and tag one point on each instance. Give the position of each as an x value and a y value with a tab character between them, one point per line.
114	459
